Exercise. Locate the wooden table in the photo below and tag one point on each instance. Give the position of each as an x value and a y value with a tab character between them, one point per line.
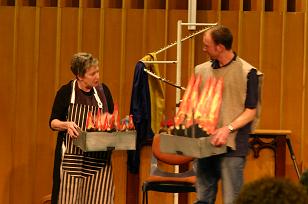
277	143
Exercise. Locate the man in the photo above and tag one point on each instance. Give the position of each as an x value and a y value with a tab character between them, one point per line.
239	108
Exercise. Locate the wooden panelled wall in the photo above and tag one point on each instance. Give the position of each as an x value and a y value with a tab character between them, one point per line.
38	38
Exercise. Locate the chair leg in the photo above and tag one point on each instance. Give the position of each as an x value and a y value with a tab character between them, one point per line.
145	197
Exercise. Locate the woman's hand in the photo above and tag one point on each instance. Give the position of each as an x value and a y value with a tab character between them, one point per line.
72	129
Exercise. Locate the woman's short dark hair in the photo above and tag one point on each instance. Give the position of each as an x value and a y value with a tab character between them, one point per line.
222	35
81	62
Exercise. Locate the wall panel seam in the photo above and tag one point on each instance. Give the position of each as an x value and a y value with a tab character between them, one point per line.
58	51
80	27
101	38
13	104
123	54
240	28
304	108
282	65
35	95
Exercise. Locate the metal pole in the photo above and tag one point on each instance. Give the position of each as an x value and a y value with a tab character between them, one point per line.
192	10
293	156
189	36
178	82
179	61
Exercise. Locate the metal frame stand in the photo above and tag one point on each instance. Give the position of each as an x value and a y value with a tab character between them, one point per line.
288	140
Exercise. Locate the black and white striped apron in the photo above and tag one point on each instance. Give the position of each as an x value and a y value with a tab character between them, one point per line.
86	177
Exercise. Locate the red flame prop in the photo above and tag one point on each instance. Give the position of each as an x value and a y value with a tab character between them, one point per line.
108	122
204	109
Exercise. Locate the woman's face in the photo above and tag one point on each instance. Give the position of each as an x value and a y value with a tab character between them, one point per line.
91	77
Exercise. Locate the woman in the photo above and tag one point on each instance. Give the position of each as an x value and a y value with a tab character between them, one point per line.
80	177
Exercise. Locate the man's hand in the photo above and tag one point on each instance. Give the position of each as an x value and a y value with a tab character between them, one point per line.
219	137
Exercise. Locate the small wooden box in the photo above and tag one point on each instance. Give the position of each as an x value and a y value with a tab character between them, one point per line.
194	147
102	141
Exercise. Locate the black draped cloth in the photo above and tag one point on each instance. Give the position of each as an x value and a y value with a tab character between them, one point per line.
140	108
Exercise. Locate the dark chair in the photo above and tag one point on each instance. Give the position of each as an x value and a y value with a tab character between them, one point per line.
169	182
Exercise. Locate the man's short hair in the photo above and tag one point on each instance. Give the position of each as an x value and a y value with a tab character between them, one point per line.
222	35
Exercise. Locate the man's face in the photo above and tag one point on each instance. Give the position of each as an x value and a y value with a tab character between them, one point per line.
91	77
210	47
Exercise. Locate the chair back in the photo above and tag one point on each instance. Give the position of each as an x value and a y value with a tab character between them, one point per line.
172	159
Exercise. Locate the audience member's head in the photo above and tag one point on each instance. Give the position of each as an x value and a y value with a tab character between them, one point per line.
270	190
304	179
